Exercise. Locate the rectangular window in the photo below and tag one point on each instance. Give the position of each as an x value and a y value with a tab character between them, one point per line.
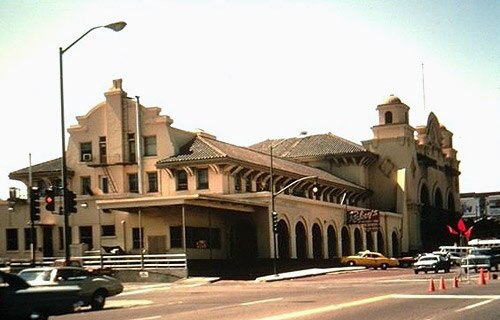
104	184
12	239
182	180
133	183
86	151
202	178
131	147
196	237
152	181
137	238
27	238
102	150
86	236
150	146
108	230
86	188
61	237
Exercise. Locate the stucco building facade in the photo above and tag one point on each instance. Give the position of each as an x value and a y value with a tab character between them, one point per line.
187	192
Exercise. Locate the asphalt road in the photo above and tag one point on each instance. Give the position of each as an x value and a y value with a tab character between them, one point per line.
367	294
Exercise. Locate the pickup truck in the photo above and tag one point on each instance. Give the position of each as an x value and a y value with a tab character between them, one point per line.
485	258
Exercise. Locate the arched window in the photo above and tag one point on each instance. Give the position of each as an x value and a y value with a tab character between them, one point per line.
388	117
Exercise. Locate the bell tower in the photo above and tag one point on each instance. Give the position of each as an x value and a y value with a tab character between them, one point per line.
393	120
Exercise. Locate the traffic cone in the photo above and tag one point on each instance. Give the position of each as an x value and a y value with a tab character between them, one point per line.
442	285
431	285
488	275
455	282
481	280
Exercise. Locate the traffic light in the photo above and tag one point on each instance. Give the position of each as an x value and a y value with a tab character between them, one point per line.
50	200
34	204
70	201
275	221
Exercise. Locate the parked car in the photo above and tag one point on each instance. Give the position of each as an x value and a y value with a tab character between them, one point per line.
19	300
486	258
406	262
370	259
95	288
431	262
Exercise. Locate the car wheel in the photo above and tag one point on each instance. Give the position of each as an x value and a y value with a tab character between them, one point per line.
436	270
383	266
351	263
446	270
98	300
416	271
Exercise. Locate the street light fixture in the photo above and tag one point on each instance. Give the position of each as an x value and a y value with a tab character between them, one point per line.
274	214
117	26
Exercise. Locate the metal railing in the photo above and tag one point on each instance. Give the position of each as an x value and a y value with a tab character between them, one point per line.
129	261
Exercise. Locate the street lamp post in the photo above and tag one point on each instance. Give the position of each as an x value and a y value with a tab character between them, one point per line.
117	26
273	211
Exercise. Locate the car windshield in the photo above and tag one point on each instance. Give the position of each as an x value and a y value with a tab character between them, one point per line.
40	275
428	259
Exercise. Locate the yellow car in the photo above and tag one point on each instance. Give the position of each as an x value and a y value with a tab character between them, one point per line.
370	259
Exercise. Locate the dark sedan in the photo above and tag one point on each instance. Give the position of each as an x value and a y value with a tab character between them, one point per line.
19	300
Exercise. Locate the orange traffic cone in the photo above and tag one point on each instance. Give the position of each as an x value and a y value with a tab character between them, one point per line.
431	285
481	280
488	275
442	285
455	282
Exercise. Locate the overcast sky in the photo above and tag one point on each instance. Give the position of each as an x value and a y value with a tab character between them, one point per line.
247	71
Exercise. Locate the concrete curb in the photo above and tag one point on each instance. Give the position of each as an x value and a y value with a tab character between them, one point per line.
306	273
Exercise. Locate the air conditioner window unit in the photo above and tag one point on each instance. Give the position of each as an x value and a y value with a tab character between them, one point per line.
87	157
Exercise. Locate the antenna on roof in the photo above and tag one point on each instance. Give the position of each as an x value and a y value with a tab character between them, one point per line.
423	85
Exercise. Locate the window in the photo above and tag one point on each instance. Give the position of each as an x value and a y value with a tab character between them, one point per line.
237	183
202	178
152	181
27	238
86	189
108	230
182	181
133	183
150	146
12	240
248	184
61	237
86	151
131	147
104	184
86	236
102	150
137	238
196	237
388	117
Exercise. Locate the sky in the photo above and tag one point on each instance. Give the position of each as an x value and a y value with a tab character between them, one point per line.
247	71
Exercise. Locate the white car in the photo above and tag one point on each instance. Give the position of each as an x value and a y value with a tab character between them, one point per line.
94	289
431	262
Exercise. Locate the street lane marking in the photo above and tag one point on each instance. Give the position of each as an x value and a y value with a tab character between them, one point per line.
475	305
260	301
445	296
329	308
138	291
147	318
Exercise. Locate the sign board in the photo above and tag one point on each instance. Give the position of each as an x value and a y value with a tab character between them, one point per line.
365	217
